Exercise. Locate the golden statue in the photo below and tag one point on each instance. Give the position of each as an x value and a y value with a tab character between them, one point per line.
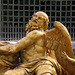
34	47
39	21
56	39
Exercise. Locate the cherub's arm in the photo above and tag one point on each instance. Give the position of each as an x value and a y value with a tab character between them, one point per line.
22	44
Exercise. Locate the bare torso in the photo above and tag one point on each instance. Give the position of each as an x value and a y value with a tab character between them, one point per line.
36	50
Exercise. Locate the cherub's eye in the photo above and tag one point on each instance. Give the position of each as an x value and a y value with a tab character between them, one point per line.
40	18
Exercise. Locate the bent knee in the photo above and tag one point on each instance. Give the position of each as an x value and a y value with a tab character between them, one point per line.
10	72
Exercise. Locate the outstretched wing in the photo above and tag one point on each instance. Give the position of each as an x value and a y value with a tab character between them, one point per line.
59	40
59	37
70	61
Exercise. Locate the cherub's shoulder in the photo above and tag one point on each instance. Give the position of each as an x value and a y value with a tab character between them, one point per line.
35	33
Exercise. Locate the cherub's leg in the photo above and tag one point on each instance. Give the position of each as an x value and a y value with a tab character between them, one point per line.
45	70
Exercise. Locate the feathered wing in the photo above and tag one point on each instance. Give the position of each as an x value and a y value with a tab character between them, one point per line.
59	40
70	60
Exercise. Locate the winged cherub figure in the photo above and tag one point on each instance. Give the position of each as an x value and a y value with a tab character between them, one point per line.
56	39
35	45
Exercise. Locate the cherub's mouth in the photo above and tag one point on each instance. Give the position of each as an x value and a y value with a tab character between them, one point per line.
36	21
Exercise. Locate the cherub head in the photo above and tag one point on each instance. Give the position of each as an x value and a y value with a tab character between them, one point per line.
39	21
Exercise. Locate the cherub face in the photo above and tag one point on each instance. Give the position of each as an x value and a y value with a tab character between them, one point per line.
39	21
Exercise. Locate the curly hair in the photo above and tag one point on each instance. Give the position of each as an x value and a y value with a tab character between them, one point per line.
34	24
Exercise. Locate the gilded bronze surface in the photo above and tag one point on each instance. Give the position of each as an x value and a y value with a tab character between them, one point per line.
33	48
